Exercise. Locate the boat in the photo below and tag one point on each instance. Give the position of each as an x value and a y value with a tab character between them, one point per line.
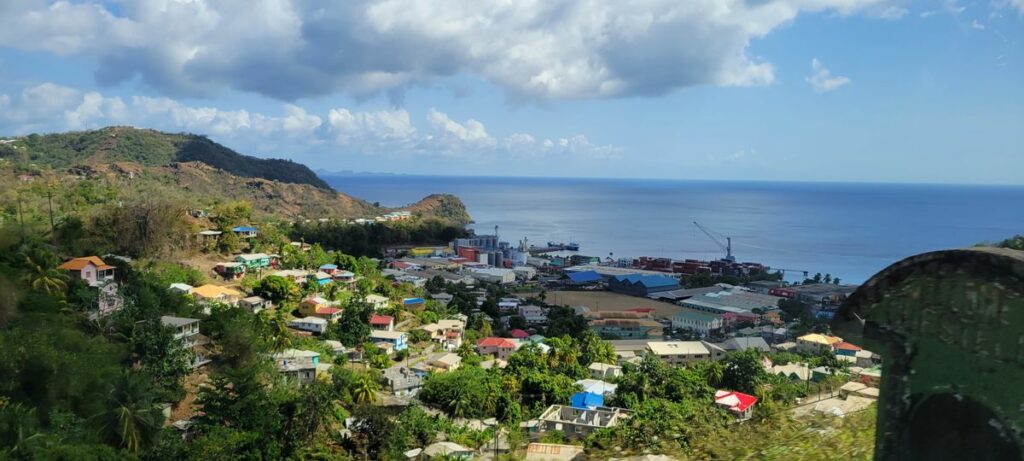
572	246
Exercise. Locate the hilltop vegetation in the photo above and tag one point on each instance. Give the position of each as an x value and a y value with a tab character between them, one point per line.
121	163
152	148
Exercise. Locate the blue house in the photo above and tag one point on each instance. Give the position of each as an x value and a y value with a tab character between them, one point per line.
587	400
642	285
397	339
244	231
583	277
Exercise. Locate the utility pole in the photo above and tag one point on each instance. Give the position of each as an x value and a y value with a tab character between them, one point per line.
49	201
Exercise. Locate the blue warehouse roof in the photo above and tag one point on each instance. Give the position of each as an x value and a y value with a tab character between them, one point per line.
244	229
584	277
649	281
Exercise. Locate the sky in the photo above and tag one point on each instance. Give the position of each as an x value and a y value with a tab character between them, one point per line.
805	90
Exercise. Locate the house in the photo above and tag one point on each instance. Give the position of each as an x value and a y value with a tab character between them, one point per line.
446	332
329	269
319	307
319	278
254	304
378	302
253	260
91	269
683	352
216	294
230	270
600	370
816	342
579	423
442	298
744	343
396	339
99	276
244	232
534	315
312	324
525	272
597	386
739	404
297	365
182	288
518	334
186	330
615	328
642	285
500	348
382	322
793	371
845	348
702	323
297	275
403	381
439	363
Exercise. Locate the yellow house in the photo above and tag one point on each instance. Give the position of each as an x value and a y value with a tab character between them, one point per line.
817	342
216	293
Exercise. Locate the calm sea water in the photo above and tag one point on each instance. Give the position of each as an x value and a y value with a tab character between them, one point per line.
848	230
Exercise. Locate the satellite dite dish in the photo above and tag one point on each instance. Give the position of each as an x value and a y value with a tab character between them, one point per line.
950	328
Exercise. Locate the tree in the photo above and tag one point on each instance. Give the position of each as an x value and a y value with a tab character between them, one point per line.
131	419
278	289
564	321
364	389
354	326
594	349
163	357
743	371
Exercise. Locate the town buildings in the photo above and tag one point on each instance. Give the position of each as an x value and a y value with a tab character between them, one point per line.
816	342
579	423
186	330
740	405
397	340
702	323
311	324
500	348
446	332
319	307
683	352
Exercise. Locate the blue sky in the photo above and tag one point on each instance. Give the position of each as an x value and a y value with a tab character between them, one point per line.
811	90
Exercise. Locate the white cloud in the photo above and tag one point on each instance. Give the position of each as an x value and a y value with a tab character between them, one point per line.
535	49
391	132
822	81
977	25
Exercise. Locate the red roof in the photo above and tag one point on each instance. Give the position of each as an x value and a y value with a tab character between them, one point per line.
381	319
734	401
846	346
645	310
502	343
327	310
519	334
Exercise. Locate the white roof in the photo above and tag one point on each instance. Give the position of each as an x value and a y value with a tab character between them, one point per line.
181	287
295	353
598	366
596	386
252	256
387	334
677	348
316	320
372	298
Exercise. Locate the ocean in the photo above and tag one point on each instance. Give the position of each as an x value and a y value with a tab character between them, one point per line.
849	230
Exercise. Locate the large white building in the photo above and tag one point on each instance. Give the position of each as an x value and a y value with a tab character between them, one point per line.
699	322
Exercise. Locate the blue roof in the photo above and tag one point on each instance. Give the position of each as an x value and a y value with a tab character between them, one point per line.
244	229
587	400
584	277
649	281
329	266
413	301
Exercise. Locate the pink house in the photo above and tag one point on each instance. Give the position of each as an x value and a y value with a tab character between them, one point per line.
500	348
99	275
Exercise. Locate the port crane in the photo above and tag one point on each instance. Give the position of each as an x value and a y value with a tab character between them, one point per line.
727	246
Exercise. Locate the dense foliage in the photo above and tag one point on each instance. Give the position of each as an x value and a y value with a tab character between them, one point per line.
359	239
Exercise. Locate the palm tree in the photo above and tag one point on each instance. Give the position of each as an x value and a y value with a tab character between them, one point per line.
42	277
460	403
131	420
364	389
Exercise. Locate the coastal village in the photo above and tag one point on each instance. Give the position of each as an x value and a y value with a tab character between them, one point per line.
423	312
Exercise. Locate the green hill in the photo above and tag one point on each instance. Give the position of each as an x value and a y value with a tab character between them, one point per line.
154	149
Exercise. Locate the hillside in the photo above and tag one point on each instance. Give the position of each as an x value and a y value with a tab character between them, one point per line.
199	172
155	148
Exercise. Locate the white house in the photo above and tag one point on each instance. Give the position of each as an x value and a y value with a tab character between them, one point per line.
313	324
